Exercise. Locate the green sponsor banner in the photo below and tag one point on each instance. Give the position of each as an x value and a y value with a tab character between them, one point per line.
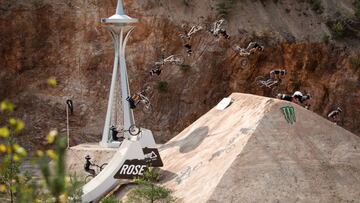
289	114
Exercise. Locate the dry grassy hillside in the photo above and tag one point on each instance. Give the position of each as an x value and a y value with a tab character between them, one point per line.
318	43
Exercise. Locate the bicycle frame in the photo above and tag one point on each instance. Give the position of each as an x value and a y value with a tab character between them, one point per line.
269	82
170	59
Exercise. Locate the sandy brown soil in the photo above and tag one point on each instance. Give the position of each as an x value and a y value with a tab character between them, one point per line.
65	39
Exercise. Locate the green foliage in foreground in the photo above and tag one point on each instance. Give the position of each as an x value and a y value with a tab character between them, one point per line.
148	189
110	199
53	186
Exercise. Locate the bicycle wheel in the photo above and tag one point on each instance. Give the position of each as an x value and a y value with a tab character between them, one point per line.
134	130
103	166
244	62
147	108
148	89
258	81
88	178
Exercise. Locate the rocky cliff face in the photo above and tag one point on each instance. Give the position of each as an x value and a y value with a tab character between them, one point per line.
64	39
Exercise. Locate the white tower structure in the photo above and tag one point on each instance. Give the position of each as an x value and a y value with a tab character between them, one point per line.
120	29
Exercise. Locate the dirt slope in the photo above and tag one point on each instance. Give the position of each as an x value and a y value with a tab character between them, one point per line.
65	39
249	153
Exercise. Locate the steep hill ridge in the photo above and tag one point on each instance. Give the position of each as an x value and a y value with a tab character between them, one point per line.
65	39
249	153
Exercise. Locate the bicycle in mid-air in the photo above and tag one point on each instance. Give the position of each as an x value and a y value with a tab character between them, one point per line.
271	83
172	59
142	97
244	54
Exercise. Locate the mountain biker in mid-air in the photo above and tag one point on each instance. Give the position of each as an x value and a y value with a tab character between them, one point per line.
156	70
250	49
172	60
188	48
88	164
187	37
297	96
218	29
285	97
133	100
141	97
254	46
335	113
277	74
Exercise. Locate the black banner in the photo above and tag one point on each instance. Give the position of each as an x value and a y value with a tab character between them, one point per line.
152	157
131	169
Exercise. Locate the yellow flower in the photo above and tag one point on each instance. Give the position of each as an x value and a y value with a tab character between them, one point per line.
63	198
19	150
2	148
52	82
17	124
6	106
51	153
4	132
2	188
39	153
16	157
51	136
12	121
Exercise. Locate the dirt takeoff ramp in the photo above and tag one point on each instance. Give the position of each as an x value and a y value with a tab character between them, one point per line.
250	153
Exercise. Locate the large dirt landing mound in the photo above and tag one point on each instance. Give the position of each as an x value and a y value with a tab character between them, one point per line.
250	153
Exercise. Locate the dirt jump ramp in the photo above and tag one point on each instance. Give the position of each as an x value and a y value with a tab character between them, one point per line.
249	152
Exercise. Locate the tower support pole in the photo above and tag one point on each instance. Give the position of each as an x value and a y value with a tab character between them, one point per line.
120	35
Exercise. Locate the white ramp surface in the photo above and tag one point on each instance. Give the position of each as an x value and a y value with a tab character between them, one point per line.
248	152
105	180
223	103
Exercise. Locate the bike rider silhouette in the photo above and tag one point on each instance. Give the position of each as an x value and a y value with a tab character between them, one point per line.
133	100
114	133
88	164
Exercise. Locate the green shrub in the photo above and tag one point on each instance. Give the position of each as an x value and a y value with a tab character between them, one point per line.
20	187
316	5
185	67
325	39
110	199
338	29
149	190
163	86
